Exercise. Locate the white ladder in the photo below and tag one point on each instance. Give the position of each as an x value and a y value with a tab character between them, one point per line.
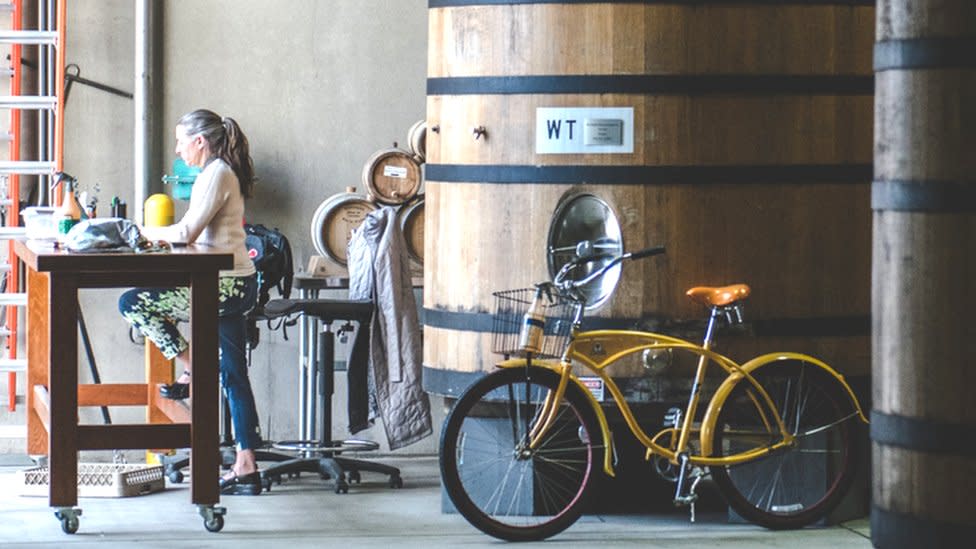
49	103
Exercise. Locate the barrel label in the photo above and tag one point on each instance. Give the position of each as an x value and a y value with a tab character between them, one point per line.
398	172
584	130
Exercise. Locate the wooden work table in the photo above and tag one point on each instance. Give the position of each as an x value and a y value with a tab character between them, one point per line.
54	395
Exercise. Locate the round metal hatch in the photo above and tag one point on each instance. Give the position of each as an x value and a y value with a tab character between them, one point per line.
579	218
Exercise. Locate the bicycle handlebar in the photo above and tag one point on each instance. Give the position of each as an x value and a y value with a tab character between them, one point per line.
647	252
559	281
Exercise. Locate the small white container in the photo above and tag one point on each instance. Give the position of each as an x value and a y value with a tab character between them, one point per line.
41	223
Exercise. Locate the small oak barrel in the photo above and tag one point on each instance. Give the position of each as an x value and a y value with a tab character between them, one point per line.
410	216
923	420
417	139
334	221
392	176
750	160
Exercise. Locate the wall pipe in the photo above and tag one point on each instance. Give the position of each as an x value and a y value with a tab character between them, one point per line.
143	106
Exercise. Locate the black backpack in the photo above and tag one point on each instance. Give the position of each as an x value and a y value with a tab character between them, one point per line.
271	254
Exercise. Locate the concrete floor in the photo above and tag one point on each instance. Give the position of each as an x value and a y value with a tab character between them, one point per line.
305	512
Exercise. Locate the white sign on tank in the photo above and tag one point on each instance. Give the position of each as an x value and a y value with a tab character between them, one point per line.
588	130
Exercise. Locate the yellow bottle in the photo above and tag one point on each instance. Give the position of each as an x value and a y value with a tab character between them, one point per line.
158	210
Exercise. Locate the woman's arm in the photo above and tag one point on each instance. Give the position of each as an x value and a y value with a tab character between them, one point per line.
210	192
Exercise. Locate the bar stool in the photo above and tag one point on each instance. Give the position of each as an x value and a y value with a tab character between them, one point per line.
323	455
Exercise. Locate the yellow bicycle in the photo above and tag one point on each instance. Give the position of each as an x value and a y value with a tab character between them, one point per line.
522	445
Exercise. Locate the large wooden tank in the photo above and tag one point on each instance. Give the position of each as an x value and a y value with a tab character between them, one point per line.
751	161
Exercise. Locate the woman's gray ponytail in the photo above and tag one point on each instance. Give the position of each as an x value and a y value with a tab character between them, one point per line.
226	141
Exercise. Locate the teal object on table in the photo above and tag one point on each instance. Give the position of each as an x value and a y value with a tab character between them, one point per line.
182	179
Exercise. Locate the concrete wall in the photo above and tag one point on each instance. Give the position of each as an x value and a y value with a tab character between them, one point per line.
317	85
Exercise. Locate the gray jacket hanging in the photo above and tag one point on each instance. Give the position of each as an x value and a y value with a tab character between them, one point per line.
379	270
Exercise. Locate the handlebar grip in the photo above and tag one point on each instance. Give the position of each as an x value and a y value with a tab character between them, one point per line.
647	252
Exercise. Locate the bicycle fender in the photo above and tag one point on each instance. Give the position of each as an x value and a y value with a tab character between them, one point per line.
597	409
711	414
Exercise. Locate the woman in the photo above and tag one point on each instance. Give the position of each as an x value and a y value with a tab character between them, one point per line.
214	218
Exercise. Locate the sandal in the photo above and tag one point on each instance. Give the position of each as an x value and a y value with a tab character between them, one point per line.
241	485
176	390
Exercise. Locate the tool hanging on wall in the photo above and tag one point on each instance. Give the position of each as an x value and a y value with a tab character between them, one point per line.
72	74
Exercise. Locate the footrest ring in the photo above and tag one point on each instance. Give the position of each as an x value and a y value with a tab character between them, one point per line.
332	447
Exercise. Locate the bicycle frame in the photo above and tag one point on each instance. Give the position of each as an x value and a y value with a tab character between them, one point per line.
597	349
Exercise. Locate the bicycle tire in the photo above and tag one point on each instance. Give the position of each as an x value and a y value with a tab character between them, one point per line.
509	492
800	484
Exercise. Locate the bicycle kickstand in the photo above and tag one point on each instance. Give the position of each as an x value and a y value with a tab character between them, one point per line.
690	497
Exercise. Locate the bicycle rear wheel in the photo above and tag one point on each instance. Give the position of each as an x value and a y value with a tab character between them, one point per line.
801	483
499	484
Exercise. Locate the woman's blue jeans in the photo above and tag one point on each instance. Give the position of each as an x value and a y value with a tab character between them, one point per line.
155	312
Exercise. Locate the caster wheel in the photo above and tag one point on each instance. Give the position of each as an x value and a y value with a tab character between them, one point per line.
342	488
353	477
69	519
266	484
69	525
396	481
215	524
175	476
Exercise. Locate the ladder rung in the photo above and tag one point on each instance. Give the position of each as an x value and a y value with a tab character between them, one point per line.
27	101
8	233
13	298
4	268
13	364
28	37
27	167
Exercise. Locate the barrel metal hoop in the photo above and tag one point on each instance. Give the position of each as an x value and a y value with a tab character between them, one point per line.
891	529
769	327
462	3
925	53
704	84
825	326
448	382
923	435
483	322
649	175
924	196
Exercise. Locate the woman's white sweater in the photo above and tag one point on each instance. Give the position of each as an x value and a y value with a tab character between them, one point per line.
215	217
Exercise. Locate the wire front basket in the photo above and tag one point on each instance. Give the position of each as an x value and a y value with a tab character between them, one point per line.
510	309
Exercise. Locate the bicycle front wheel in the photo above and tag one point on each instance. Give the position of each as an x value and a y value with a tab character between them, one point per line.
802	482
500	483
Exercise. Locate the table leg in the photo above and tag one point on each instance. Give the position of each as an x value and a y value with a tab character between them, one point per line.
38	358
204	436
63	387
